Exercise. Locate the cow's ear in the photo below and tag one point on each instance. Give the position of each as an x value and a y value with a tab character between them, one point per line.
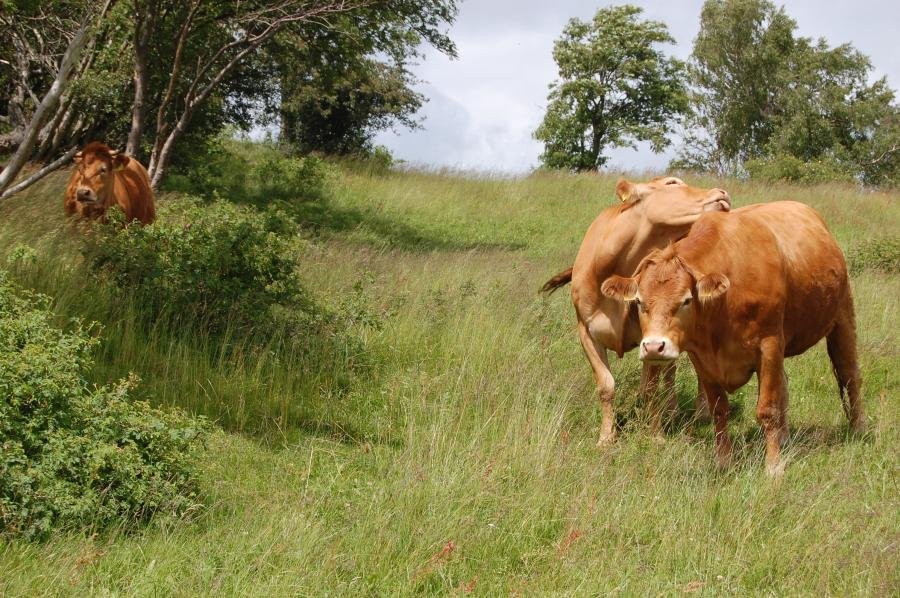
120	161
711	286
626	191
618	287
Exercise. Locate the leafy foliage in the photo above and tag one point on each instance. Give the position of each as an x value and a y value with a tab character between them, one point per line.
787	167
881	254
213	264
615	88
256	173
762	93
72	455
340	86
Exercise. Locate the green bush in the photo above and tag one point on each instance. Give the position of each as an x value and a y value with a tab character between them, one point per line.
882	255
73	455
785	167
214	264
255	173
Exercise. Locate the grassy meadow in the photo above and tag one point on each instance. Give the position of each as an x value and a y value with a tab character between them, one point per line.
456	452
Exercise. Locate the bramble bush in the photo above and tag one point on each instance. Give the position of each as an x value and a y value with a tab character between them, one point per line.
213	264
880	254
256	173
73	455
784	167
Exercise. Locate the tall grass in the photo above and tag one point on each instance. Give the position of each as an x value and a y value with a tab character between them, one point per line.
462	457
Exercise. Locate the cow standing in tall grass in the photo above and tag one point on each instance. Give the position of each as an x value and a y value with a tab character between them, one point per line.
104	178
740	293
650	216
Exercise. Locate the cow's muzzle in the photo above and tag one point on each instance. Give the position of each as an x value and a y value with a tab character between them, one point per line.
658	348
718	200
85	195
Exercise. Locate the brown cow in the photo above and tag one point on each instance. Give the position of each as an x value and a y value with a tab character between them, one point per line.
740	293
650	216
104	178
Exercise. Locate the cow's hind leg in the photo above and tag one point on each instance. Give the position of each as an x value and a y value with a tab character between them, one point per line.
701	405
606	386
842	352
771	406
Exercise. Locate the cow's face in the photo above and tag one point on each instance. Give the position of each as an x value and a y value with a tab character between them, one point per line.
669	294
668	201
94	174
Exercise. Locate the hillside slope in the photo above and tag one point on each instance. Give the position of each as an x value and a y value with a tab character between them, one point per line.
461	456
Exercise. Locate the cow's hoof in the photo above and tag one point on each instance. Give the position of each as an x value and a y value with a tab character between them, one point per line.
723	460
784	436
701	410
775	470
606	439
858	426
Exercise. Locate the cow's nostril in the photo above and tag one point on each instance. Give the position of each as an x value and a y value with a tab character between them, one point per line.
654	347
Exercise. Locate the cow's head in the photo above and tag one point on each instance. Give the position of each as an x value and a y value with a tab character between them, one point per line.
669	201
669	294
92	180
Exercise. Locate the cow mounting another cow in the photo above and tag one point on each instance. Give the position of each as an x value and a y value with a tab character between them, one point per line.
650	216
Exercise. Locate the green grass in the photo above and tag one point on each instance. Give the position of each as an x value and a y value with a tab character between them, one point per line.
474	422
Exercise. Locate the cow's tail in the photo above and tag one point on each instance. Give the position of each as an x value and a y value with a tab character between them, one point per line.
558	281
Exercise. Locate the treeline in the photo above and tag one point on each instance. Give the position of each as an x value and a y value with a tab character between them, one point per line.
161	77
755	98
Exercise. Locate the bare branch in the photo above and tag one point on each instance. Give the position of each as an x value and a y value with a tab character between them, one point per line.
31	180
883	156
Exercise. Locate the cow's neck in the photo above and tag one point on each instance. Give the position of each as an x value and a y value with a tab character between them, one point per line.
644	237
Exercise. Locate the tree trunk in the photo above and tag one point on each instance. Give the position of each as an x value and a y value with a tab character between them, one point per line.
18	160
142	33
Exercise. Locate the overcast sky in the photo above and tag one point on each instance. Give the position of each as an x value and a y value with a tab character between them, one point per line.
484	106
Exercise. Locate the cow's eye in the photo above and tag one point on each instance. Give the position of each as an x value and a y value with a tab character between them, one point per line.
686	302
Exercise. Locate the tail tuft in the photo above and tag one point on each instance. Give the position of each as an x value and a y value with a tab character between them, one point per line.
558	281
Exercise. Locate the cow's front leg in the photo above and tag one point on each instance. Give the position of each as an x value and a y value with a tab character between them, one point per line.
771	406
606	387
718	407
659	402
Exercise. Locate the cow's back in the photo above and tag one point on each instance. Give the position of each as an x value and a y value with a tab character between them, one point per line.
781	257
815	270
132	193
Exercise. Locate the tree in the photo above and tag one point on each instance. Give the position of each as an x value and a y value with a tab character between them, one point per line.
197	66
768	101
340	86
736	69
615	88
48	112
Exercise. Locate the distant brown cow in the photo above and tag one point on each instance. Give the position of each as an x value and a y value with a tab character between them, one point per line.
650	216
740	293
104	178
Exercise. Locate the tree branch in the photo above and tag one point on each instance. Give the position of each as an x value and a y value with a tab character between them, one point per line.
55	165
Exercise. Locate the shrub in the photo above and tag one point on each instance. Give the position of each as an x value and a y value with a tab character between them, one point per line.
882	255
209	263
785	167
73	455
255	173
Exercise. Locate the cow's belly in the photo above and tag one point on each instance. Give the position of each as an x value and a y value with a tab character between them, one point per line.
601	329
730	367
